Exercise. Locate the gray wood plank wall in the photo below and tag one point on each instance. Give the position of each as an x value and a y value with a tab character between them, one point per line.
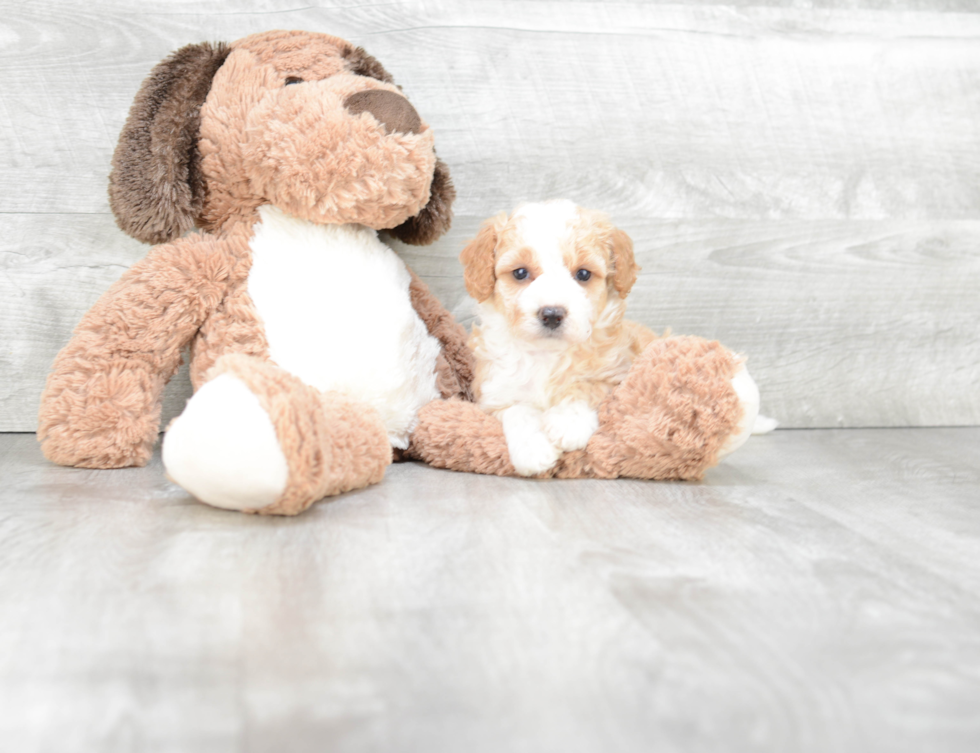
801	183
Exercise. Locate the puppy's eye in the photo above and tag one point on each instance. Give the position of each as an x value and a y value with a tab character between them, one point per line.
583	275
520	273
293	80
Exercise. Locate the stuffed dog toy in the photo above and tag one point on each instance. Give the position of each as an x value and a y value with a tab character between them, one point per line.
312	346
316	355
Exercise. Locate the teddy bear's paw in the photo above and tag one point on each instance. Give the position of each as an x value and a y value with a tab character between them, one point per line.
764	424
748	395
531	452
223	448
570	425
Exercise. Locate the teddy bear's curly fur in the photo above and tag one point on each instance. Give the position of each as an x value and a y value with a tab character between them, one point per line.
286	135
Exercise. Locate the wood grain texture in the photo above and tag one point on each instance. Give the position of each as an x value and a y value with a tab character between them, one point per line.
676	111
816	592
800	182
845	323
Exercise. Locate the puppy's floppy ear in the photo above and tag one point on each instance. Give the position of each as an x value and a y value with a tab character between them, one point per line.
436	216
156	189
625	267
478	260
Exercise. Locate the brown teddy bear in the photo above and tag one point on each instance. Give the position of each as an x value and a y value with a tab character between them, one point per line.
317	356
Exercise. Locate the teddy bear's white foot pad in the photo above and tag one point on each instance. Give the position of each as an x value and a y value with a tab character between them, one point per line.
223	448
748	394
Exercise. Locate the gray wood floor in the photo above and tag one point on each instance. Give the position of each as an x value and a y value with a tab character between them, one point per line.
817	592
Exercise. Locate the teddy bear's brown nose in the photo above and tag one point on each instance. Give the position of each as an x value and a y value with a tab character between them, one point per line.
392	110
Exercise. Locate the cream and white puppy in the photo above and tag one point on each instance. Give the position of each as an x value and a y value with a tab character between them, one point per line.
551	280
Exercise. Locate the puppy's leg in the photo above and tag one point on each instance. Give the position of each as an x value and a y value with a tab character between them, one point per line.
530	450
570	424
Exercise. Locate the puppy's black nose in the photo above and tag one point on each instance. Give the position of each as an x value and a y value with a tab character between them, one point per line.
392	110
551	316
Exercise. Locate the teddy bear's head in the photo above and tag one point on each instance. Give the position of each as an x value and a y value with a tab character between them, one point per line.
304	121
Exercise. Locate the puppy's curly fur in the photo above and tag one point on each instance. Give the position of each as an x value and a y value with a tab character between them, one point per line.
552	343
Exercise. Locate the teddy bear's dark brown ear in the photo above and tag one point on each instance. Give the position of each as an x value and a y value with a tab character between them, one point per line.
436	216
156	190
361	64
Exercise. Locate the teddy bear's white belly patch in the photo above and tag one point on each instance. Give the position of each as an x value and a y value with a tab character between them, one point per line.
335	304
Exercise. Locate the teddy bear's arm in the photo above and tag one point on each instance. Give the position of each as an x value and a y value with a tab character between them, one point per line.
456	363
101	405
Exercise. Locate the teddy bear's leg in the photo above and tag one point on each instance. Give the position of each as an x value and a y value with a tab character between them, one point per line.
684	402
457	435
748	396
223	448
256	438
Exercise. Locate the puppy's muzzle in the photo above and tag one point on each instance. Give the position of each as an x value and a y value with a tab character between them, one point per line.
551	316
393	111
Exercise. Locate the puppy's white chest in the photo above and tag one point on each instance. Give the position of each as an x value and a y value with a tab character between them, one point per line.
524	379
515	372
337	313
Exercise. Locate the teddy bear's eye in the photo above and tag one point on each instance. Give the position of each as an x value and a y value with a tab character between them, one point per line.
293	80
583	275
520	273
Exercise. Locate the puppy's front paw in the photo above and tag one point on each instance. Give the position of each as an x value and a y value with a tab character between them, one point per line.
530	450
531	453
569	426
